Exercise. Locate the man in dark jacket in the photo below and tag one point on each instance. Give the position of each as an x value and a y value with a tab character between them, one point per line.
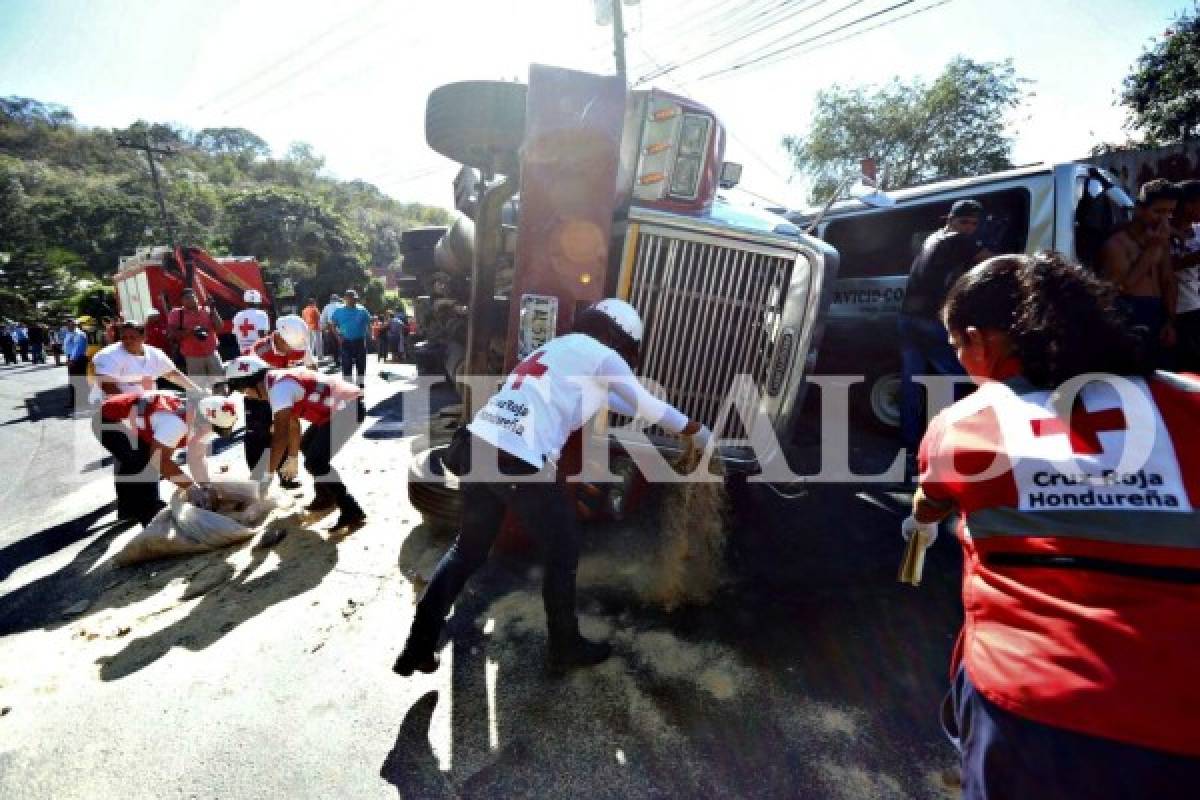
924	346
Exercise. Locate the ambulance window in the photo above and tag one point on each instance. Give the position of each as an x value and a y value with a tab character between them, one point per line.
883	243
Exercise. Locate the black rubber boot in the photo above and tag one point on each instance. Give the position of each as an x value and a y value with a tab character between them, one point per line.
568	649
420	653
323	499
352	517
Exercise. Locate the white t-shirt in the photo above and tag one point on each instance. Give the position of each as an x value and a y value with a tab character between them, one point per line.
168	429
284	394
327	313
132	373
250	325
1188	279
555	391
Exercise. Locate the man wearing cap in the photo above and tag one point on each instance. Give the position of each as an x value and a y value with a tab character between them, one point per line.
353	323
193	330
924	345
330	332
251	323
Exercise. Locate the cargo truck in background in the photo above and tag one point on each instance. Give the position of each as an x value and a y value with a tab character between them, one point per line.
154	278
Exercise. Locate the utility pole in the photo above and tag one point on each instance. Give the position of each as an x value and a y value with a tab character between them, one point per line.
150	151
619	38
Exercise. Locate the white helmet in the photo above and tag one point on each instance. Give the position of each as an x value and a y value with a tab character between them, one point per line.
623	315
220	412
294	331
252	296
244	367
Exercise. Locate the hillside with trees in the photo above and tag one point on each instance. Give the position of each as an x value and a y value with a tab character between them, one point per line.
73	201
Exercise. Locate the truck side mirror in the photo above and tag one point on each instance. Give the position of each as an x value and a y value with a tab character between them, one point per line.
731	174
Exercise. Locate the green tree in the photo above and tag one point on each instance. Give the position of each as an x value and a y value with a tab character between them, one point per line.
216	141
917	131
1162	92
283	226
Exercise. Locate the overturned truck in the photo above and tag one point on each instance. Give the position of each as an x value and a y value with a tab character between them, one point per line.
576	188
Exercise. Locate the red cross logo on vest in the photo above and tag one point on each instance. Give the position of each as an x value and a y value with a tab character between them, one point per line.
1084	429
531	367
246	328
244	366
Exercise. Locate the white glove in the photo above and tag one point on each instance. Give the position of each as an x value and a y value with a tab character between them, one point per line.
702	437
926	531
290	468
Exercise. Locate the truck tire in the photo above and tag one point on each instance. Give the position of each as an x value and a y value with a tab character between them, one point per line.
883	400
477	123
433	490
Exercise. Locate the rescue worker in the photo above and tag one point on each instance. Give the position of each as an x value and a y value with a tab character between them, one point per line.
1074	672
142	430
522	430
324	401
286	347
251	323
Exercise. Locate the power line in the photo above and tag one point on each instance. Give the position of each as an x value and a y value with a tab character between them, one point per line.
302	69
303	48
758	59
877	26
726	25
715	17
143	144
746	35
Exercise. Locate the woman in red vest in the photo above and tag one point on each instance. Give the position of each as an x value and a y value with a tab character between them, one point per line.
1077	476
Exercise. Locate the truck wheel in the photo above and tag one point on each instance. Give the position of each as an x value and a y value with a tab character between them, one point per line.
884	400
434	491
477	123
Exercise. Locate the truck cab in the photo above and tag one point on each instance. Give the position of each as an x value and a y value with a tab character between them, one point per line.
616	194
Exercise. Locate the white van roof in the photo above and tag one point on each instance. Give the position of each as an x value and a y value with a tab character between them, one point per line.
901	196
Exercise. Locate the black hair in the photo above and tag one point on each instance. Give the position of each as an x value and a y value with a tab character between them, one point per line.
1155	190
246	381
1059	317
600	326
1189	191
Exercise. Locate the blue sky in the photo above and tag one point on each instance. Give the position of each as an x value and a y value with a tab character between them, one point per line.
351	77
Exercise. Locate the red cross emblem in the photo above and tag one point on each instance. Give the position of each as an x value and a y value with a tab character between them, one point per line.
1084	429
247	327
244	366
229	408
531	367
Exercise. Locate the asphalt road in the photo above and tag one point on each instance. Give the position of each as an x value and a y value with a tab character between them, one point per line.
265	673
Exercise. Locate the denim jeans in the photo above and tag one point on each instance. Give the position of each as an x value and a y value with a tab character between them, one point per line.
924	350
1007	756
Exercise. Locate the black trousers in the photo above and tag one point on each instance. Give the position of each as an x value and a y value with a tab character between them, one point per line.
76	376
354	356
545	511
318	445
136	486
257	439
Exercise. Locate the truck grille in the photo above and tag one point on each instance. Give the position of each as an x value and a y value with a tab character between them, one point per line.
712	312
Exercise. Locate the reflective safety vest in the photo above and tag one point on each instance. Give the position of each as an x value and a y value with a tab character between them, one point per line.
264	348
136	409
323	394
1081	539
